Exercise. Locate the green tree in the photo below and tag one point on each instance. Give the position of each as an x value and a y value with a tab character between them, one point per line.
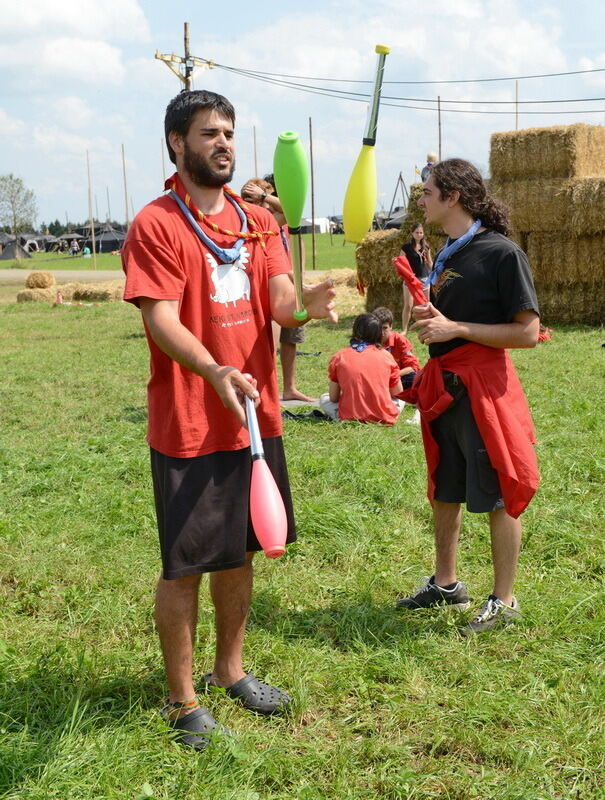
56	228
17	204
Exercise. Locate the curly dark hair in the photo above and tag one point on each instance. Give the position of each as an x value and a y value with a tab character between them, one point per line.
367	328
182	108
458	175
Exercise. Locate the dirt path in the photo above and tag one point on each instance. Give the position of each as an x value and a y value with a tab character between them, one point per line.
64	275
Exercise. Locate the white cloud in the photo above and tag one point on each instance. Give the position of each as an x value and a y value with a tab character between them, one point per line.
111	19
85	61
73	112
10	126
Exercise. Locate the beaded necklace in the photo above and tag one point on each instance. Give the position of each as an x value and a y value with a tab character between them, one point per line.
191	212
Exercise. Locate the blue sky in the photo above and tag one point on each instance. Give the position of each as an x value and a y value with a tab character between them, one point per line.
80	75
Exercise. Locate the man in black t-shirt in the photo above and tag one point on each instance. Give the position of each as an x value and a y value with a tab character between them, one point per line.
482	300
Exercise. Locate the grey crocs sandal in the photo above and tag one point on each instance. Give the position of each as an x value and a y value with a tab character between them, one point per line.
195	729
256	695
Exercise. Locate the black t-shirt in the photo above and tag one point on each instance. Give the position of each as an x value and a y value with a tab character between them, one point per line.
487	281
421	270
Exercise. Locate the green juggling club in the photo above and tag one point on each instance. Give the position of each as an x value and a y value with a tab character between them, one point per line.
291	174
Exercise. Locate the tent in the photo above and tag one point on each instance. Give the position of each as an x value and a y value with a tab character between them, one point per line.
107	240
14	250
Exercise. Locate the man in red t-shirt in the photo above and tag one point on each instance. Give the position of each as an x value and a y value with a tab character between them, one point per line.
209	273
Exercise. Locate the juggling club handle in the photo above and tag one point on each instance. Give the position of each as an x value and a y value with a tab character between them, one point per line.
300	313
256	443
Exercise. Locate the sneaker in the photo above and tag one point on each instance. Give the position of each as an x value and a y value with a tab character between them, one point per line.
429	595
494	614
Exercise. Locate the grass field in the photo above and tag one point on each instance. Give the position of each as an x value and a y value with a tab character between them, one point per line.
385	705
331	253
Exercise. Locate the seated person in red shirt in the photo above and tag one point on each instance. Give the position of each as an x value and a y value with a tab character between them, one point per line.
398	346
364	378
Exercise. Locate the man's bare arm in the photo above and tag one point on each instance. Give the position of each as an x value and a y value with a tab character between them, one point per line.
173	338
433	327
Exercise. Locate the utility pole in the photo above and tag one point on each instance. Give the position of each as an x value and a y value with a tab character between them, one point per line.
439	122
189	62
125	187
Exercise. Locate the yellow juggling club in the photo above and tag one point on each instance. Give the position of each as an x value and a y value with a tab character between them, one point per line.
362	191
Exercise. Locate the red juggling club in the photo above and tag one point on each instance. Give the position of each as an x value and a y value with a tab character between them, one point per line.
402	265
266	504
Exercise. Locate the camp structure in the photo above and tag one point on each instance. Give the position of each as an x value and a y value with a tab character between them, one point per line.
13	250
553	181
107	239
374	254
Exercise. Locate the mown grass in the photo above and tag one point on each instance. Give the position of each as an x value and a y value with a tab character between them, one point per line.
385	705
53	261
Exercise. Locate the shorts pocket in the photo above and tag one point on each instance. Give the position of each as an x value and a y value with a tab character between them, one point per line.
486	474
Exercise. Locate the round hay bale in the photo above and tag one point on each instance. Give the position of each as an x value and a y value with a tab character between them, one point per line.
40	280
36	295
340	277
91	292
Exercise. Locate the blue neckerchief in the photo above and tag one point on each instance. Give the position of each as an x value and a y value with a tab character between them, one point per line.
359	346
228	255
450	248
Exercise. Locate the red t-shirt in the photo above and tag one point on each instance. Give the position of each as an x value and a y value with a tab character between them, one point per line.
401	349
365	379
226	306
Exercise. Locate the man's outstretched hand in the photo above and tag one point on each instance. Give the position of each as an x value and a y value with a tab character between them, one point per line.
319	301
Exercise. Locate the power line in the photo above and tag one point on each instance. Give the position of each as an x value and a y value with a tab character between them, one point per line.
418	83
361	97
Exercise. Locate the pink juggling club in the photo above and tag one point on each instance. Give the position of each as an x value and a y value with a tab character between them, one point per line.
266	504
402	265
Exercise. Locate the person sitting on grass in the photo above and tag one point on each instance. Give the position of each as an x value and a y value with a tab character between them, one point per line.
261	192
364	378
400	347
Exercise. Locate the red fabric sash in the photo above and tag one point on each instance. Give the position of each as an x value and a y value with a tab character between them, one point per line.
500	410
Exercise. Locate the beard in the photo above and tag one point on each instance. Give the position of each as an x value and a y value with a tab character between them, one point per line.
202	173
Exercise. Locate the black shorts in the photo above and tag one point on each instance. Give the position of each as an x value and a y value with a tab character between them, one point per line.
202	508
464	473
292	335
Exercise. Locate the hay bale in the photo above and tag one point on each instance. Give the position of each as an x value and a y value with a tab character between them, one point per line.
341	277
565	151
40	280
91	293
67	290
374	255
574	207
386	294
36	295
570	303
564	259
98	292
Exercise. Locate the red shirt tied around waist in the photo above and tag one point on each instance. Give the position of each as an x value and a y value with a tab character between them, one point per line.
500	410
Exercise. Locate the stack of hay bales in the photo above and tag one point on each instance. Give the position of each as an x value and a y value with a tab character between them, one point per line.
553	180
42	287
39	287
375	253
